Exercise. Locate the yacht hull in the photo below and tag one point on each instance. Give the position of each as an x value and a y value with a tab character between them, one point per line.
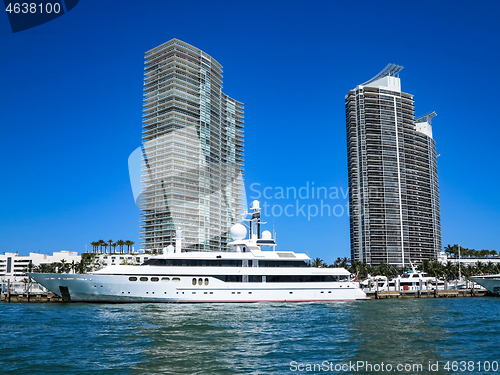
190	289
492	283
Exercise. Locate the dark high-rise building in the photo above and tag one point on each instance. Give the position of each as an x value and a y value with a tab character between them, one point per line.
192	172
393	181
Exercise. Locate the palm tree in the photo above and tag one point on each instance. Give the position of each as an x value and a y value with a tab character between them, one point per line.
101	244
448	250
129	243
110	242
318	262
342	263
490	267
61	266
114	244
450	269
42	268
120	243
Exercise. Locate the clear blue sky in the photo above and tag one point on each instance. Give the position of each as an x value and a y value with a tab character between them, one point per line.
71	103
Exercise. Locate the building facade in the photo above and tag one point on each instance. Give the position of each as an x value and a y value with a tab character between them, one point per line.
392	170
192	171
13	266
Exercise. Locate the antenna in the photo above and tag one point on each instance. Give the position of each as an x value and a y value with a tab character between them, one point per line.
459	264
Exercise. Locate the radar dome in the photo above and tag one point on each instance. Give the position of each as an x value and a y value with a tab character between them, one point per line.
238	232
266	235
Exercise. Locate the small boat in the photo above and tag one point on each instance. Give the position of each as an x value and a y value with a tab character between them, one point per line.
375	283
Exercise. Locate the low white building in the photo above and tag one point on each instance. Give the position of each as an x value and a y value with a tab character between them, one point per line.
13	266
443	258
103	260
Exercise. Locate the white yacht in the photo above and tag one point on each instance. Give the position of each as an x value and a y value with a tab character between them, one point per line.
245	274
490	282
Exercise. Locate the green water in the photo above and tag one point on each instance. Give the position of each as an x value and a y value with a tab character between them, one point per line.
250	338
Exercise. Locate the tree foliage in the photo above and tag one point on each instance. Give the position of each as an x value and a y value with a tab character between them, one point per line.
449	271
453	251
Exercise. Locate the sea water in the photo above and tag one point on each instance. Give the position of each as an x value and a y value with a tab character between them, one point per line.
432	335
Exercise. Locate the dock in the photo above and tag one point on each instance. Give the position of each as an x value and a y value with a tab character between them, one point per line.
427	293
30	298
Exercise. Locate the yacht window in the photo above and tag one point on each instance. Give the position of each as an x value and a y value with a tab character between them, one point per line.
165	279
206	281
132	278
176	279
155	262
299	278
195	262
229	278
194	281
282	263
143	279
200	281
155	279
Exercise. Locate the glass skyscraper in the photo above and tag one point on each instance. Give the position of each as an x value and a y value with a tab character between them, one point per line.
392	169
192	172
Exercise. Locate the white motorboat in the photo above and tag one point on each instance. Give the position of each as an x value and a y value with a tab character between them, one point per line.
245	274
412	280
417	280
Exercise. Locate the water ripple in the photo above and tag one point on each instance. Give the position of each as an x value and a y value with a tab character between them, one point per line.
243	338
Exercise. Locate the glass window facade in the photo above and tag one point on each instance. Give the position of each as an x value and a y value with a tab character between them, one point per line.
193	151
393	182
